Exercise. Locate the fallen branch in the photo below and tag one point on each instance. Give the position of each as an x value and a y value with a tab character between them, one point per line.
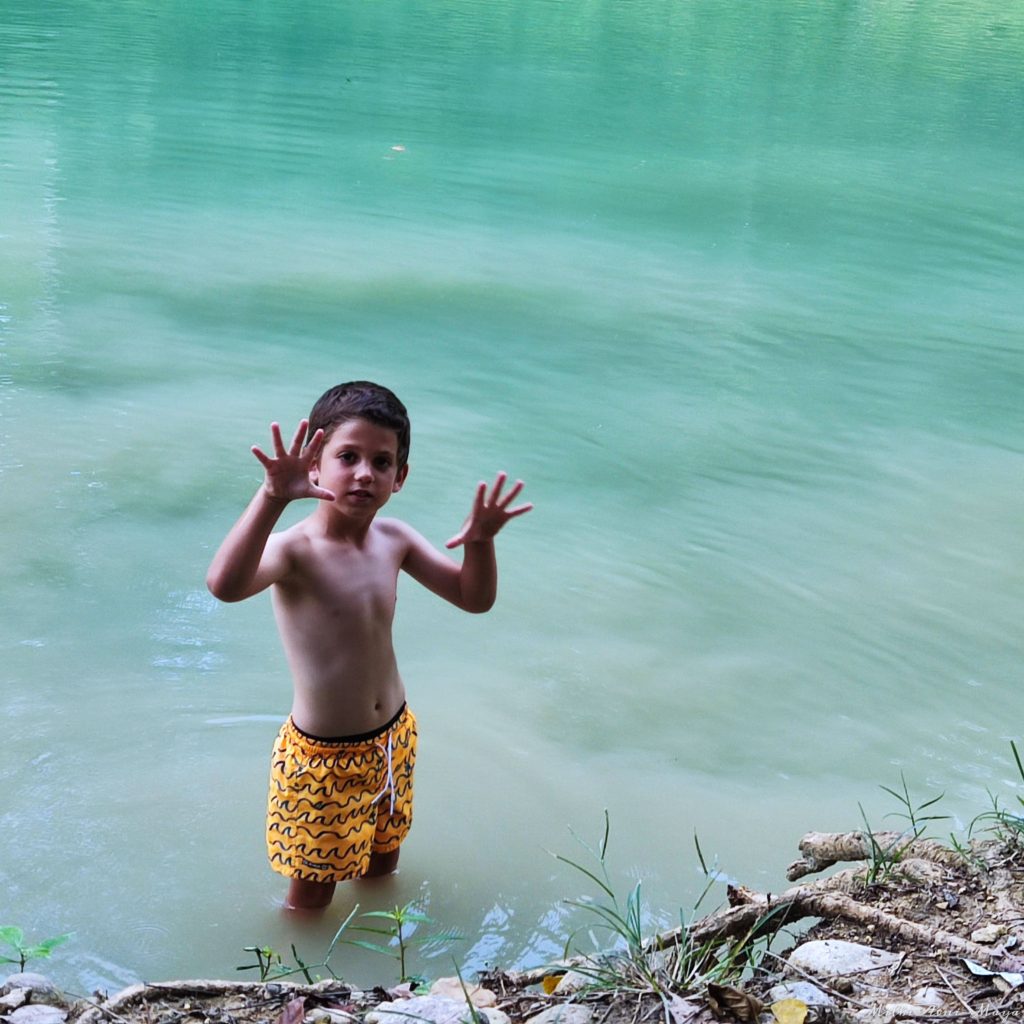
262	991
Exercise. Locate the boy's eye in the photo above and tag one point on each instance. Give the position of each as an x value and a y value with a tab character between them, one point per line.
383	462
346	456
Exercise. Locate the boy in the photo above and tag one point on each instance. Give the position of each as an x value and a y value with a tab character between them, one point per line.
340	801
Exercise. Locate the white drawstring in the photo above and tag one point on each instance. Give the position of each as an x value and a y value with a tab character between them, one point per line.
389	782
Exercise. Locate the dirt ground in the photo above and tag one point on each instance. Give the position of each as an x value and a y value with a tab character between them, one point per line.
936	908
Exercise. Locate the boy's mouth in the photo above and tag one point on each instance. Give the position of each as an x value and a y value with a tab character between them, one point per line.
360	493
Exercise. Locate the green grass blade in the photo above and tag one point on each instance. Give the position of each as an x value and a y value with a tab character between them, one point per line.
338	933
700	854
590	874
603	848
374	947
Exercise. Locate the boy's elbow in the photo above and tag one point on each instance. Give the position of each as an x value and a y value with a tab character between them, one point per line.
220	588
479	605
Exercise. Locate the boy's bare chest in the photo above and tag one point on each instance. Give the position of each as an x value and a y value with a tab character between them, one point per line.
348	580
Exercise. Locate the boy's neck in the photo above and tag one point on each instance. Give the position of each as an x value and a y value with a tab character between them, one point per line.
338	526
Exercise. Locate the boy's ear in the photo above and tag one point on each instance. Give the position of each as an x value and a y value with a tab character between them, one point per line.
400	478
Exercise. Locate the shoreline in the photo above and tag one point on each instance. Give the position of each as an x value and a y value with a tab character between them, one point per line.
915	929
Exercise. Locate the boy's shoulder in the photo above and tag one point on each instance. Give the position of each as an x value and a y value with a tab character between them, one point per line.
307	531
395	530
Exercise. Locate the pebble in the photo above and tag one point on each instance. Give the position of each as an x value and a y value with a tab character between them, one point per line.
433	1009
573	981
987	935
928	997
802	990
15	998
452	988
325	1015
38	1013
566	1013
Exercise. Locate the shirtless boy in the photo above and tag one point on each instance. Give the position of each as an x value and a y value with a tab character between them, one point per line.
340	800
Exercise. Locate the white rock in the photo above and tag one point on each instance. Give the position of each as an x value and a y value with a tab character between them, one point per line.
833	957
928	997
802	990
987	935
435	1009
38	1013
325	1015
564	1013
37	983
573	981
452	988
13	999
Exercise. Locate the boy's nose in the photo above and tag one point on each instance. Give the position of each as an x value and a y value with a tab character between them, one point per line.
363	471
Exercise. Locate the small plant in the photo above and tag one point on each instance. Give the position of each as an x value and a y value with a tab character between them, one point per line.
270	963
399	929
912	814
884	859
1005	824
14	938
665	967
402	923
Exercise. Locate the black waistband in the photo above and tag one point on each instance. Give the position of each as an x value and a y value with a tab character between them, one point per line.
361	737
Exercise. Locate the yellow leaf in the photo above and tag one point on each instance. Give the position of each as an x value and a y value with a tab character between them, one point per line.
790	1011
550	982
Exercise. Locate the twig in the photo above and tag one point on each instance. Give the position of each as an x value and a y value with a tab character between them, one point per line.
639	1007
899	967
97	1006
818	983
956	995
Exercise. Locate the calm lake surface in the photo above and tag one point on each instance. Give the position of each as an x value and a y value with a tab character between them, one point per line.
735	287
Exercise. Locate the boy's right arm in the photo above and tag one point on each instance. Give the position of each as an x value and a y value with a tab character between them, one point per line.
248	560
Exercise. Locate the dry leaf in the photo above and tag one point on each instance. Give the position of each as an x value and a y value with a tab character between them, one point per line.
790	1011
726	1001
294	1011
682	1010
550	982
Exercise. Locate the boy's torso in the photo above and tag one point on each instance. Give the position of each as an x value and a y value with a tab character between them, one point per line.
334	610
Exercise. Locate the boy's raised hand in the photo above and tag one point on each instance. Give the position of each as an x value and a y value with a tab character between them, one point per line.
287	473
490	512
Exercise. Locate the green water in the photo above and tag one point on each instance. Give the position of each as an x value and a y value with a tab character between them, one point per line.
736	289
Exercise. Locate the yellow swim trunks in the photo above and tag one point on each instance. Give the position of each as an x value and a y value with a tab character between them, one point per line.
333	802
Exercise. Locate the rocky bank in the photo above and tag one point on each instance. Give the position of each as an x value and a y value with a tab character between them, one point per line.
914	931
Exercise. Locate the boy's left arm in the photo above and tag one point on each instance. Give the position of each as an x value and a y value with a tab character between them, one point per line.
472	586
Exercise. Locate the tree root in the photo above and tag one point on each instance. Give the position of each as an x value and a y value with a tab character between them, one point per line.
752	914
823	849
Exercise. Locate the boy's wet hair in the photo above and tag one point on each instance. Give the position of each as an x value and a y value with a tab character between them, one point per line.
362	399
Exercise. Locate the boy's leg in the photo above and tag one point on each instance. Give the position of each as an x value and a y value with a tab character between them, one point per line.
304	894
395	817
382	864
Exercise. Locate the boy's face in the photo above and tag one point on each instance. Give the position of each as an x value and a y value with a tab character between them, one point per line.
359	463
